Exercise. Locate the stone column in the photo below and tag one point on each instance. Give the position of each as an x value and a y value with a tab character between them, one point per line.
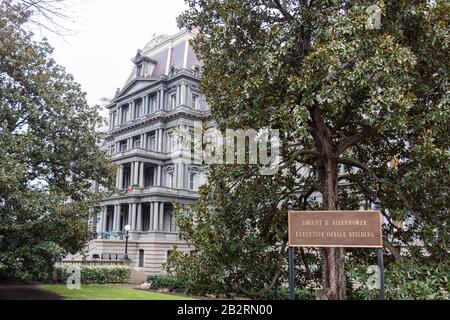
120	177
161	99
142	141
132	174
161	216
158	101
131	213
133	218
136	173
161	140
183	94
159	179
188	95
139	218
141	175
152	215
103	219
116	220
145	104
130	110
156	216
119	114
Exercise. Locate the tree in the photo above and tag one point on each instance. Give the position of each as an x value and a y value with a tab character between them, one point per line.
49	154
350	99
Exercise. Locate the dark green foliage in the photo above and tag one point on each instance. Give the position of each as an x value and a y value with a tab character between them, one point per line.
410	280
166	282
96	274
343	96
49	155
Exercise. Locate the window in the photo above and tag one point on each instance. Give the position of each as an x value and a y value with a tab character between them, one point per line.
125	114
172	222
113	149
123	145
153	103
152	142
195	101
137	109
170	180
149	177
141	258
193	181
114	119
170	142
141	69
136	142
126	177
145	217
173	101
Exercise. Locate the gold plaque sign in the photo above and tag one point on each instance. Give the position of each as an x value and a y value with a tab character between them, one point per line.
347	229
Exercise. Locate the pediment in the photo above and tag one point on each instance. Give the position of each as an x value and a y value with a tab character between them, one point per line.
134	86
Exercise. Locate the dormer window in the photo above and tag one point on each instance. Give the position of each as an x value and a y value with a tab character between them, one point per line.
140	70
144	65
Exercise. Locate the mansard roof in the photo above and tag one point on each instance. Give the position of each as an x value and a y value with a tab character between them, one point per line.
164	52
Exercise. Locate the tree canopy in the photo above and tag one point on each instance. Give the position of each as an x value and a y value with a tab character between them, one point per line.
49	154
364	114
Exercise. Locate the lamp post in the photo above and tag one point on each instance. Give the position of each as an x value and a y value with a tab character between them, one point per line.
127	229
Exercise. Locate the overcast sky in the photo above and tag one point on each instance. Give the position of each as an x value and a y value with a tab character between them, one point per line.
108	33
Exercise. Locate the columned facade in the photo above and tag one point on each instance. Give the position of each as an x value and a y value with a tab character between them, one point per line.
145	117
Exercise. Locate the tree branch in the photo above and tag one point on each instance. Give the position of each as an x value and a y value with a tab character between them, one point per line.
357	164
354	139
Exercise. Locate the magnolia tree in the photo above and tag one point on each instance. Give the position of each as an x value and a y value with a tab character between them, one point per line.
49	154
359	92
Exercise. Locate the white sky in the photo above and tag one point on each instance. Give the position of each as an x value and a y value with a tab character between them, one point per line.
108	33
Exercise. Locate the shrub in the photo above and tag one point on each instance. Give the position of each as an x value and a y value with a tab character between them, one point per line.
164	282
410	279
96	274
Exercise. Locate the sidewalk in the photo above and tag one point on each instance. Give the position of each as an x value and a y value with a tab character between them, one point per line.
25	292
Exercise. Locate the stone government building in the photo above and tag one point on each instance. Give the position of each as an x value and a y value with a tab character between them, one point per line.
161	96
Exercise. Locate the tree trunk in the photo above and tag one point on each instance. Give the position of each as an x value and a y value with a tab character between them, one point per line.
333	278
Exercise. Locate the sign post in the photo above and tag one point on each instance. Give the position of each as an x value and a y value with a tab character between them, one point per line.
337	229
291	274
380	258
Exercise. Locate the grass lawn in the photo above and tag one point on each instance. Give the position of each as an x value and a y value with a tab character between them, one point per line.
107	292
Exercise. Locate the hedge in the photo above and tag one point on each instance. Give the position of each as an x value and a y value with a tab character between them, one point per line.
164	282
95	274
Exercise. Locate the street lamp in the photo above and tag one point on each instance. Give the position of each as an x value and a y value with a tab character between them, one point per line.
127	229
